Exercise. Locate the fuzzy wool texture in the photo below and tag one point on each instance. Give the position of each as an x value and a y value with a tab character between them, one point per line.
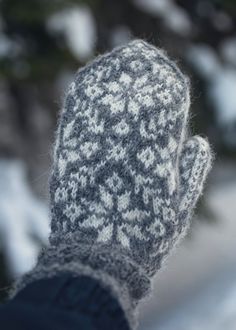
126	177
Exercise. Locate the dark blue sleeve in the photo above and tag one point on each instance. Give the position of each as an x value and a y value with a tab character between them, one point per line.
63	303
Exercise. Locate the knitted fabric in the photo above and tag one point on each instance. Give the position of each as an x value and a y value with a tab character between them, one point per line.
125	178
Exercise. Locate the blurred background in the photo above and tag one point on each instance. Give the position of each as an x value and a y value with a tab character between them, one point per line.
42	43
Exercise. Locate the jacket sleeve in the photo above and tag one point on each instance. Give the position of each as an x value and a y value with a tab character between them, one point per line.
63	302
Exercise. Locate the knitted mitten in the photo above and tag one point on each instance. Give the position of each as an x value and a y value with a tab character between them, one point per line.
125	178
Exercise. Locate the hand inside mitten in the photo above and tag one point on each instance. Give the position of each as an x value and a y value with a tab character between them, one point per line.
126	177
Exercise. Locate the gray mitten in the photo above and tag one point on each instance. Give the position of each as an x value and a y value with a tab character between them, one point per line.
125	178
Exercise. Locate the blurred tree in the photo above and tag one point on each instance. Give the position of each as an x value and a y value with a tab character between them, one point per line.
37	57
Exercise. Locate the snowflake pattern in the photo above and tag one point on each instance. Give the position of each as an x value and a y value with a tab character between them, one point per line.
116	174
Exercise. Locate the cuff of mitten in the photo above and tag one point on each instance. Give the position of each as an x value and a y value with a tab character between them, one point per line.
115	271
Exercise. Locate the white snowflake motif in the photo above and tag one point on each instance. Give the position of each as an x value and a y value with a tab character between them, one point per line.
134	101
113	196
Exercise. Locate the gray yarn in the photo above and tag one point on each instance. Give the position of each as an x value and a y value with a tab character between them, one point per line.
61	263
125	178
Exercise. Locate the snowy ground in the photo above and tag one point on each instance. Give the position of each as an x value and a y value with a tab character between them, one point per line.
23	219
197	289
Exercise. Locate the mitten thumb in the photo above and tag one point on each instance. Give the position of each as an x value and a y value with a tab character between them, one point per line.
195	163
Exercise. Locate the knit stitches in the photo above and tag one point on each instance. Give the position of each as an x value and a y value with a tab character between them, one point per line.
125	178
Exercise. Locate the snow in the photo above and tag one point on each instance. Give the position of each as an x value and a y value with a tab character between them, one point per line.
159	7
8	47
178	20
213	308
22	217
205	60
5	45
64	79
174	17
221	80
78	26
222	93
120	35
228	50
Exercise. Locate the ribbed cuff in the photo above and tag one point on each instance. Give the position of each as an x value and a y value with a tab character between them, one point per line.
115	271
